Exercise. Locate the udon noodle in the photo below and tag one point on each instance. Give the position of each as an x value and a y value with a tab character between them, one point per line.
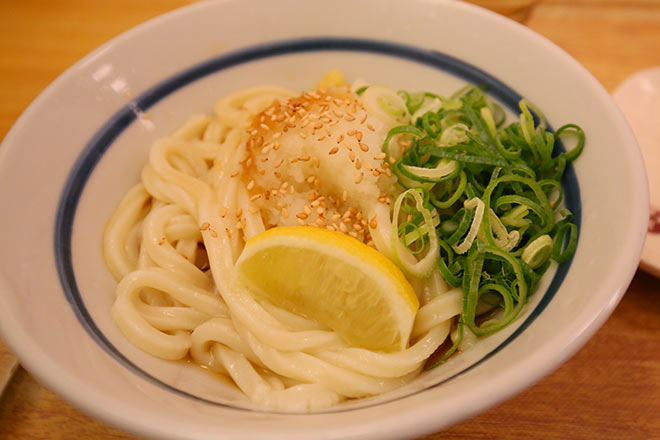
265	157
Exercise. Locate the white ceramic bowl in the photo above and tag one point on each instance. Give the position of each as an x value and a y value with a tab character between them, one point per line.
81	144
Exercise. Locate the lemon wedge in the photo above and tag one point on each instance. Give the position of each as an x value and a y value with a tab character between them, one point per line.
334	279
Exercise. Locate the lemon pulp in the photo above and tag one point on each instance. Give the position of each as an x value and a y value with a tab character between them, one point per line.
334	279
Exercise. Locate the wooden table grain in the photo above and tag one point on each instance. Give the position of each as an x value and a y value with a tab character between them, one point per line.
609	390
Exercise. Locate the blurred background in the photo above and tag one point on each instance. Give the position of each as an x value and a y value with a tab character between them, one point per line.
608	390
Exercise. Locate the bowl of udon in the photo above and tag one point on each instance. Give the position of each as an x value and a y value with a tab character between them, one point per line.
305	220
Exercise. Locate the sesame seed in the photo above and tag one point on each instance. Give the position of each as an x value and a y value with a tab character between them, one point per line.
358	216
358	164
368	166
359	178
349	117
239	225
344	195
302	134
223	211
351	132
318	125
340	138
285	212
380	156
347	145
302	215
228	232
335	217
276	146
315	203
254	132
376	173
364	118
239	212
388	172
213	233
353	234
357	226
279	163
294	160
358	135
304	158
253	210
161	241
302	223
204	226
284	185
373	224
277	134
265	149
234	174
305	123
338	113
320	222
330	228
265	127
255	197
351	156
321	138
248	162
250	185
310	179
334	150
307	209
363	147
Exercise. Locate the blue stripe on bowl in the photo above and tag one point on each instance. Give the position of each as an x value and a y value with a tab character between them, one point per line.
104	138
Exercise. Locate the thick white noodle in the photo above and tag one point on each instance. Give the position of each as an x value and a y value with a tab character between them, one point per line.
171	305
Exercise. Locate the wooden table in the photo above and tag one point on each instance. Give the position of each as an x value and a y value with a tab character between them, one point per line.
608	390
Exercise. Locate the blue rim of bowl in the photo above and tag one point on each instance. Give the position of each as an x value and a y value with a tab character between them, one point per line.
106	135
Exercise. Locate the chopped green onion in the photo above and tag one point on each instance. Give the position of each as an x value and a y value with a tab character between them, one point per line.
402	254
482	200
538	251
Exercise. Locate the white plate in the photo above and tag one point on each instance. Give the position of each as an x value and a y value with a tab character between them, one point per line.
639	99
